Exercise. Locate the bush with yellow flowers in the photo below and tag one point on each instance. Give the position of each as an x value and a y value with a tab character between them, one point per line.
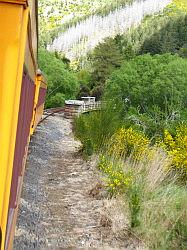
177	7
116	179
148	191
127	142
181	4
176	146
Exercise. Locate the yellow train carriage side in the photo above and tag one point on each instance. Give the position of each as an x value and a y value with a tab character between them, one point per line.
18	53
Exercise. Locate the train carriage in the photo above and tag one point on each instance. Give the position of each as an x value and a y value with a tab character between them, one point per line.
22	96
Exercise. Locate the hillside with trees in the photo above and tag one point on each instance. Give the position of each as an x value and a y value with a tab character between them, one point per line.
140	134
58	15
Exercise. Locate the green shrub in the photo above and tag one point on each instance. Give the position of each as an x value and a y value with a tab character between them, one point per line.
62	83
104	59
153	92
56	100
147	81
98	126
154	121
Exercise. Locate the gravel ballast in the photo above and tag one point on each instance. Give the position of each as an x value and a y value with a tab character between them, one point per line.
59	208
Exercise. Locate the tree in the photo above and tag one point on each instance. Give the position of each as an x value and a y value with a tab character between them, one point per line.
125	47
170	38
105	59
148	81
62	82
84	78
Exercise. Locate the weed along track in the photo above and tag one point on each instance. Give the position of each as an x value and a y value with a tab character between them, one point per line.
63	204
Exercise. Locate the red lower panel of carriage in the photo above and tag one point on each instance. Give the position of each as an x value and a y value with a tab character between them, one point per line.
22	140
41	97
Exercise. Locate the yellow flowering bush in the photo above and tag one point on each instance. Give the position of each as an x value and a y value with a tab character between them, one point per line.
176	147
128	141
181	4
176	7
117	180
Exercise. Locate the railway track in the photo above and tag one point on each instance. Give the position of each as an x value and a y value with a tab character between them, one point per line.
51	112
72	109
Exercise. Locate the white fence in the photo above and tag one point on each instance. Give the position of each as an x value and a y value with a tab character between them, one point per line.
86	107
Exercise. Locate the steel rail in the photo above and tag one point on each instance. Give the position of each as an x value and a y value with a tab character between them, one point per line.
54	111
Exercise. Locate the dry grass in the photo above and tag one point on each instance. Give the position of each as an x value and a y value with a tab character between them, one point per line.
154	202
117	213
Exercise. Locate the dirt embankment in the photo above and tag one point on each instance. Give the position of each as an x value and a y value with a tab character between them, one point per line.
63	205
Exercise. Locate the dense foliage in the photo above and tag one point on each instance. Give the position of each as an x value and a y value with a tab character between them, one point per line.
154	86
147	81
157	34
147	93
62	82
162	33
140	133
105	59
171	38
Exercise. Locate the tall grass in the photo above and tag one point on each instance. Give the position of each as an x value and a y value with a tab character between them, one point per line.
141	173
157	204
95	128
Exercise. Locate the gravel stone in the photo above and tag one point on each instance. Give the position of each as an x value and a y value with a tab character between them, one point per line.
56	210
